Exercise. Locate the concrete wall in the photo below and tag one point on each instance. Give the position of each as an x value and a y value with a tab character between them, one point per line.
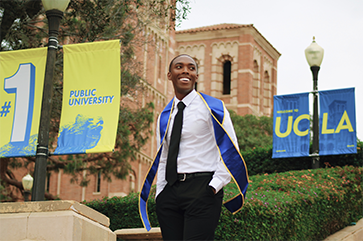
53	220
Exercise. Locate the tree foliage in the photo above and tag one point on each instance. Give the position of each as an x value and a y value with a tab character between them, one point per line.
252	131
23	26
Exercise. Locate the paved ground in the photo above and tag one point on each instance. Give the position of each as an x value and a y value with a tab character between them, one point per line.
350	233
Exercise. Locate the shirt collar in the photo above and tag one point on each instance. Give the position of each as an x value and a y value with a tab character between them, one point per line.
186	100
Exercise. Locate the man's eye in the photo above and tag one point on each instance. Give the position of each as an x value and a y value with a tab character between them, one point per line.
192	68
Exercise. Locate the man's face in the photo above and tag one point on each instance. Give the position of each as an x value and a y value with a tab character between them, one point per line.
183	74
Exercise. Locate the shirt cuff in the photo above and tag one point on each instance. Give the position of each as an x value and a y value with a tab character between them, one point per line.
216	184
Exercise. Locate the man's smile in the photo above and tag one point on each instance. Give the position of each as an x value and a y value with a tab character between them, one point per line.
184	79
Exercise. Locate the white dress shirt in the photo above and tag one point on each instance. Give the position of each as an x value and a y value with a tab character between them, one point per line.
198	151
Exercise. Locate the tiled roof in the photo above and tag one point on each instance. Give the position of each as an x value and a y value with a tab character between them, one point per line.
215	27
224	26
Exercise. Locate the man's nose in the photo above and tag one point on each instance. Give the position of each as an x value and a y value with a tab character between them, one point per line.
185	69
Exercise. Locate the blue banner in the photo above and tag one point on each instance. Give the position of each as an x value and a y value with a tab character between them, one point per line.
291	126
337	122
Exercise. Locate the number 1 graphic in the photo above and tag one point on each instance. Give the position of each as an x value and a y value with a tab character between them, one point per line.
22	84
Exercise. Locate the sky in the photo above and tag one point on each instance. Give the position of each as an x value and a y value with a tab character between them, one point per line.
290	26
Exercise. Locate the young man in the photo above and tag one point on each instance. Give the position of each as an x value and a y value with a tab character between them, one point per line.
188	207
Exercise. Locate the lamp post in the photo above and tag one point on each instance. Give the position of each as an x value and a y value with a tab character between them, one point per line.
27	182
54	11
314	55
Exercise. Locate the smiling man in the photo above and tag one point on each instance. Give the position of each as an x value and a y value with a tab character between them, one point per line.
191	174
183	73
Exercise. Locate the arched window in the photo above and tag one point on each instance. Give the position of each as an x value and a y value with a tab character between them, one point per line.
267	92
227	77
98	182
255	66
132	183
196	83
266	77
159	68
47	182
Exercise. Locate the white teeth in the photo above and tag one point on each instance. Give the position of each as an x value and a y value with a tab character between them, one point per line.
184	79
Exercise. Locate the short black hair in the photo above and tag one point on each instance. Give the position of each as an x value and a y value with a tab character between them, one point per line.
171	62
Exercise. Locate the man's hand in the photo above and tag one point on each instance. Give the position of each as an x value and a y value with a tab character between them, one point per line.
214	190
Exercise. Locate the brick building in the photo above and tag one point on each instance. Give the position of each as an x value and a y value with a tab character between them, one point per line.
236	64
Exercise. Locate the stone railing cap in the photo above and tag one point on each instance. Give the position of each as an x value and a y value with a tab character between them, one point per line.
52	206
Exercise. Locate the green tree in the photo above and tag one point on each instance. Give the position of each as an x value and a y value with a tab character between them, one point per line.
252	131
22	27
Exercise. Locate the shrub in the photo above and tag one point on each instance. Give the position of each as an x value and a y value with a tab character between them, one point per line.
294	205
259	160
123	212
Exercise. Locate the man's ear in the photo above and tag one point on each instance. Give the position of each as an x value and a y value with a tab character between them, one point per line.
169	76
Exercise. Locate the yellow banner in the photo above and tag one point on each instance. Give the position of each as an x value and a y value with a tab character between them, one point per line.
91	98
21	91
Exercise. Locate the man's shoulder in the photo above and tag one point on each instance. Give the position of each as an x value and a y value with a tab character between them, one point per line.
216	106
212	101
205	96
168	107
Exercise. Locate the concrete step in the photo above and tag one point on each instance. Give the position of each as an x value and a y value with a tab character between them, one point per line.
350	233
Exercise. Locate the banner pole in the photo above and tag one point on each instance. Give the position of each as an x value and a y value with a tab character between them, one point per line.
315	71
54	16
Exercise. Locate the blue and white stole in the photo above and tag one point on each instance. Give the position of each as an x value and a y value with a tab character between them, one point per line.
229	154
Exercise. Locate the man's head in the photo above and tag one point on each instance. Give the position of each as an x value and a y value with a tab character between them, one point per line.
183	73
171	62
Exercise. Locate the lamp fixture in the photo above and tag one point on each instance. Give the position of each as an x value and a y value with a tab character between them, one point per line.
60	5
27	182
314	54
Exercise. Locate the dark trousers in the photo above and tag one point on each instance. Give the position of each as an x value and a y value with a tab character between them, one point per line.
189	210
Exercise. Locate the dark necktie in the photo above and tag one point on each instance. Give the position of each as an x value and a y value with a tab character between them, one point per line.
171	167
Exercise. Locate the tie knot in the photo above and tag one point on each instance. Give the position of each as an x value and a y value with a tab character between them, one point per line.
181	105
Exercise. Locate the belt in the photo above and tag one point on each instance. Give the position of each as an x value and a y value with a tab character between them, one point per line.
182	177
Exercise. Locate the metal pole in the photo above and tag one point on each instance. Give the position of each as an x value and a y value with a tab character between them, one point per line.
315	155
54	16
26	195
